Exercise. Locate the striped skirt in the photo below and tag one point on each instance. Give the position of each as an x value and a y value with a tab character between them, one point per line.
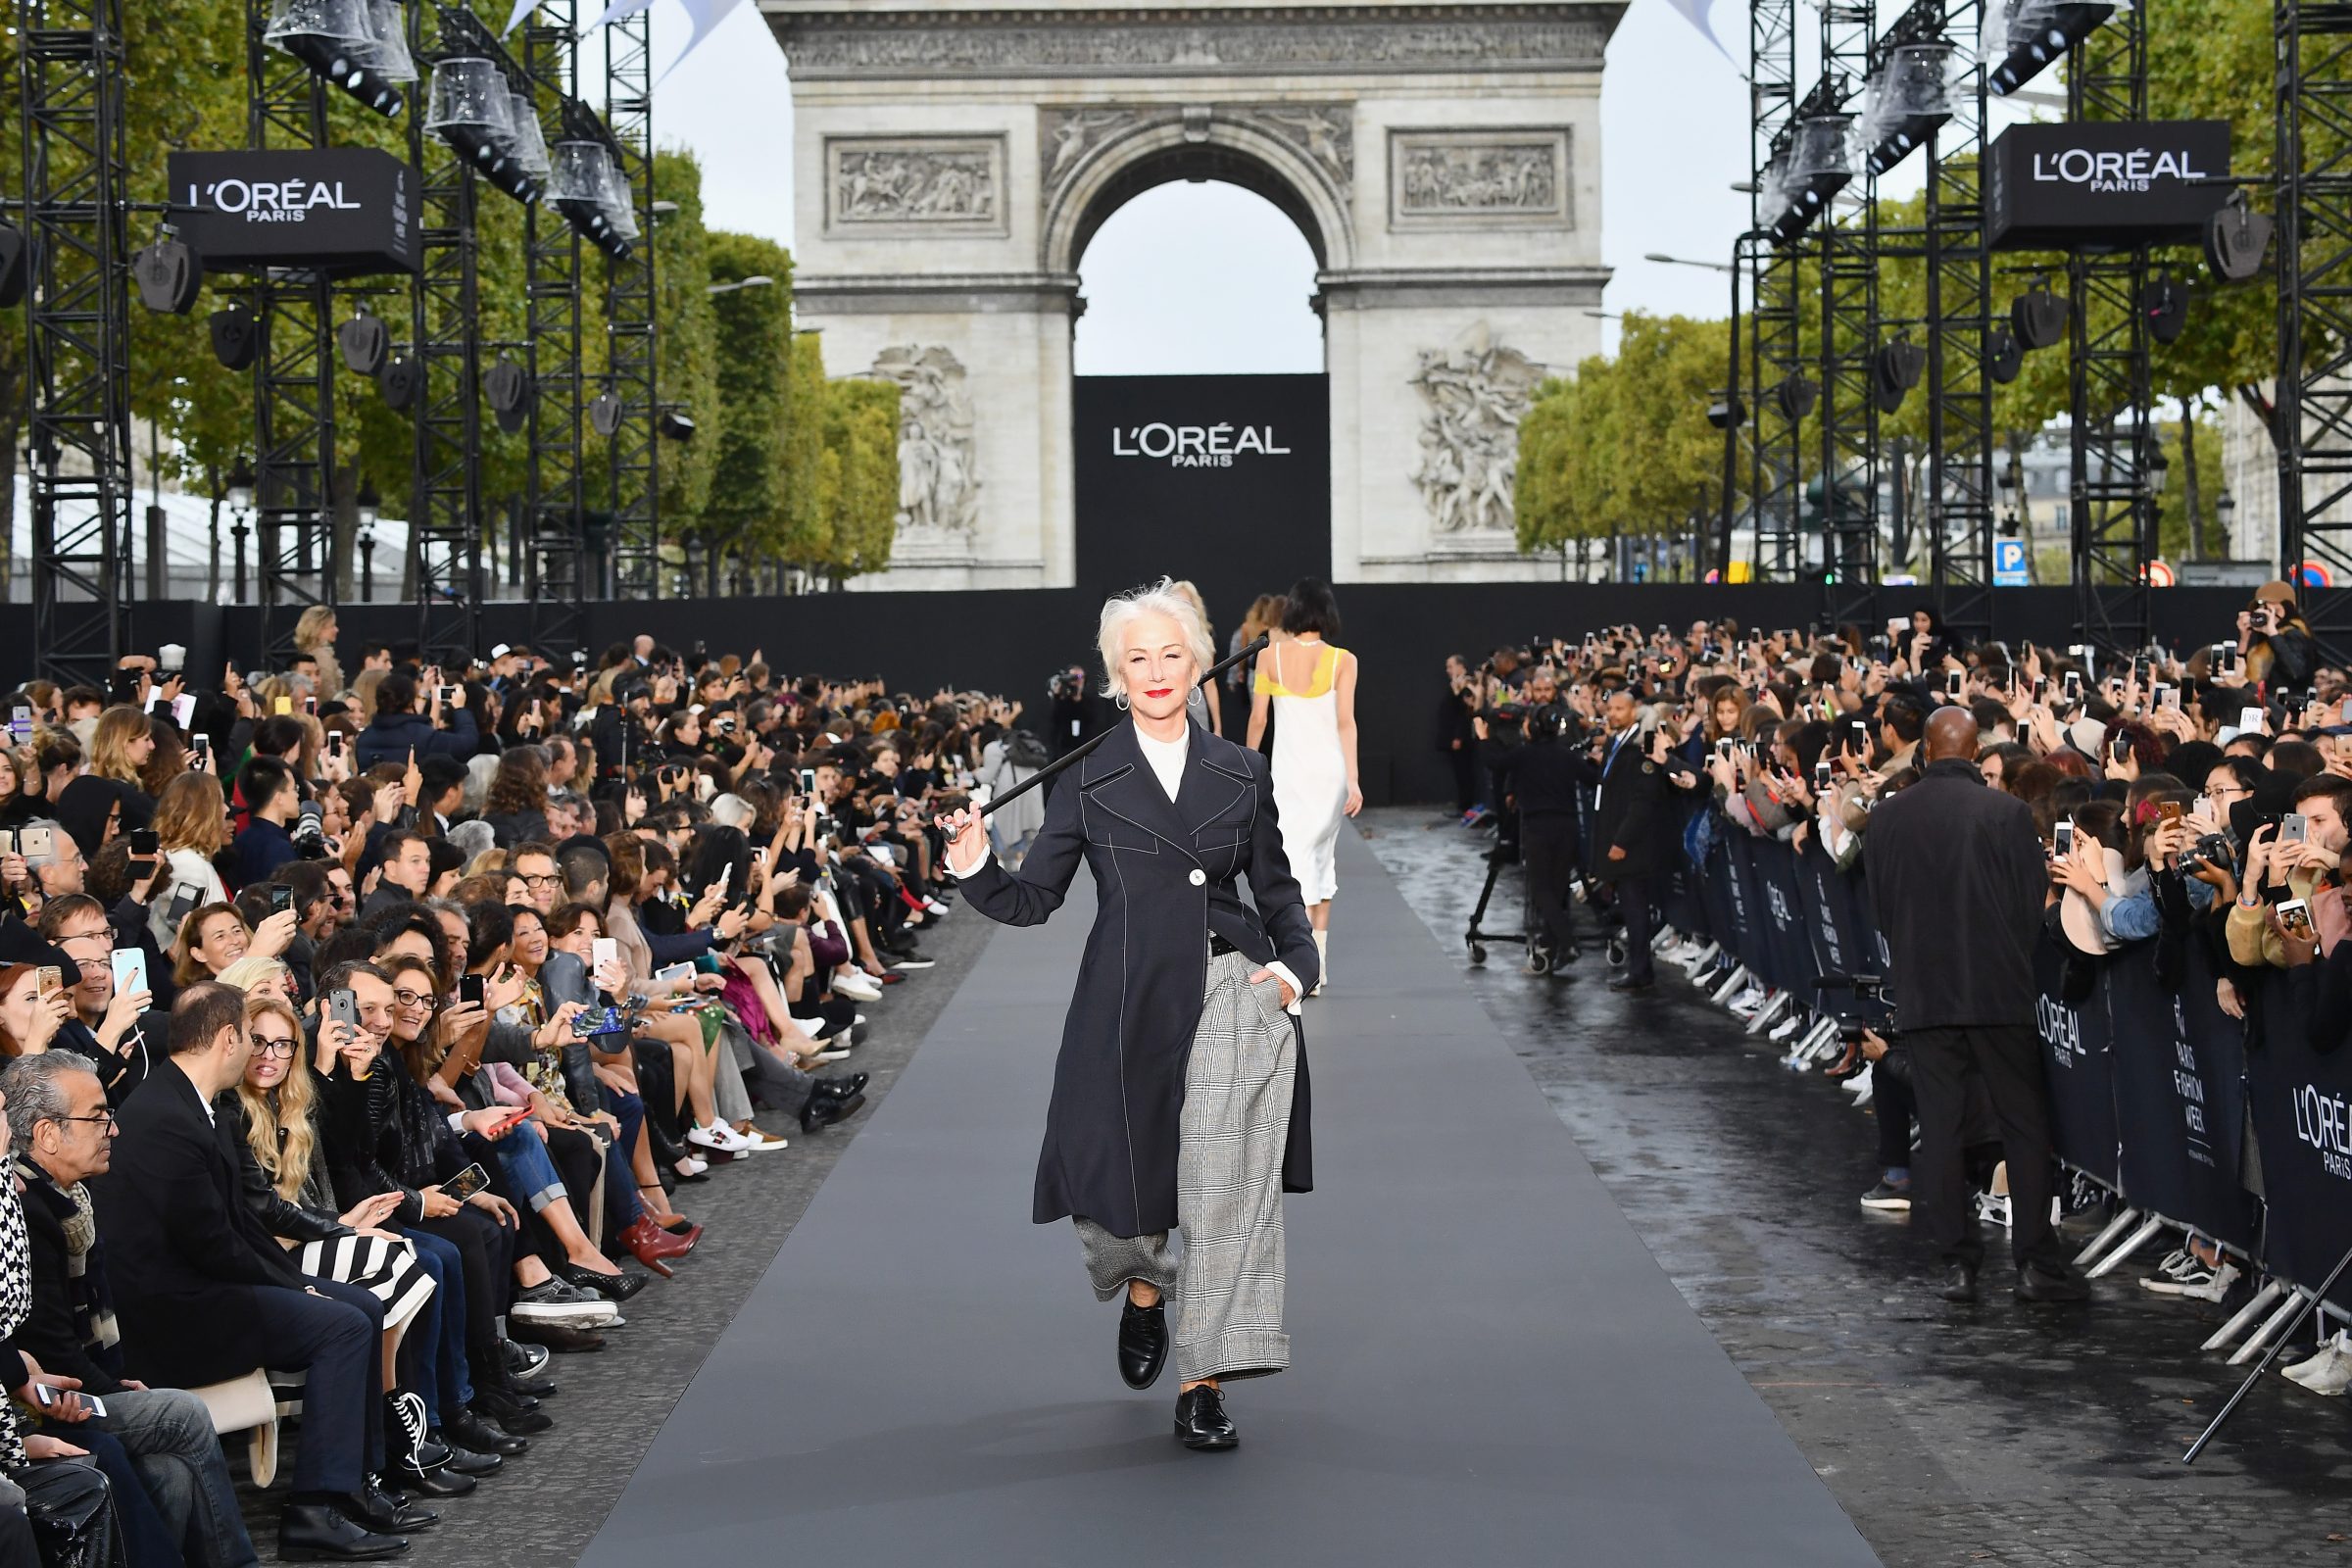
387	1270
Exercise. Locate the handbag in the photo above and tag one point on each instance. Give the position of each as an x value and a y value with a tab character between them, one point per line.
72	1513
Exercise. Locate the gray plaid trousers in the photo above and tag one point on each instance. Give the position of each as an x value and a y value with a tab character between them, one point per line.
1225	1294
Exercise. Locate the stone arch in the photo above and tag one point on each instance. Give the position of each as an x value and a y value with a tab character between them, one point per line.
1197	145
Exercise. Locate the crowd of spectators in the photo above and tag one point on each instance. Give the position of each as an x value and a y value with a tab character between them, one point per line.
372	1030
2179	797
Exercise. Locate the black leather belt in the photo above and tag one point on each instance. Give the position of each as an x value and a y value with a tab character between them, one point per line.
1219	944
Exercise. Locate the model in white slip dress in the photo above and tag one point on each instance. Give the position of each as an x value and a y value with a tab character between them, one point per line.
1309	767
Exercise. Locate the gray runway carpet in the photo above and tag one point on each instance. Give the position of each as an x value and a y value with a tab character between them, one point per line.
1489	1368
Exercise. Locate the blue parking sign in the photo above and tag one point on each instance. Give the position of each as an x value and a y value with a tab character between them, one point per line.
2009	562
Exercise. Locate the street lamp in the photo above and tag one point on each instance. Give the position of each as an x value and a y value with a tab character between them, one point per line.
756	280
240	503
2225	508
370	506
1677	260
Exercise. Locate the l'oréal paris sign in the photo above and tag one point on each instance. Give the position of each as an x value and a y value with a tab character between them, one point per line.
346	209
2100	184
1194	446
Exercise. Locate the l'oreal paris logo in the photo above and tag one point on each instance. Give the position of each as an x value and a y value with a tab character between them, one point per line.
2137	170
1194	446
271	201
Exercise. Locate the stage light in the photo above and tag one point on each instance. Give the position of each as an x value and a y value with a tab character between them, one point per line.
1816	165
334	39
2038	315
1724	413
675	425
472	109
620	203
2004	355
604	414
398	382
236	339
1893	371
529	145
2236	238
1904	103
364	343
577	184
507	387
2166	304
1795	397
2026	35
386	51
170	275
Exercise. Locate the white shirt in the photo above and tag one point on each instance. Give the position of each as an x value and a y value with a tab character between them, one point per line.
1166	760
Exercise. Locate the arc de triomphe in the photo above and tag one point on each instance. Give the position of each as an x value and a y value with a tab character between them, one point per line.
953	159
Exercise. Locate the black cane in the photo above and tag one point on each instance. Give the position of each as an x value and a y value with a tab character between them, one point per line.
2270	1355
1249	650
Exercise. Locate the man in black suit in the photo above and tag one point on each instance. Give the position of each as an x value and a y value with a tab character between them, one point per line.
205	1294
1633	828
1957	884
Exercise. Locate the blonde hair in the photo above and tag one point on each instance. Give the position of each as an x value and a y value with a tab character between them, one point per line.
1183	588
1122	611
117	728
191	815
280	1133
315	620
251	970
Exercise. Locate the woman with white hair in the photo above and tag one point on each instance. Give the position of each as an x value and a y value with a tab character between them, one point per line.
1180	1096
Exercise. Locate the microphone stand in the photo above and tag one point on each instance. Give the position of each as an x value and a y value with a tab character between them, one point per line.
1249	649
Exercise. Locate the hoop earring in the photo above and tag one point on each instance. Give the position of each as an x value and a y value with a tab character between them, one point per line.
1119	702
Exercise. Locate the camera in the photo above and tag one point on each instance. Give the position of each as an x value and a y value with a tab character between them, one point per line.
1066	686
309	833
2210	850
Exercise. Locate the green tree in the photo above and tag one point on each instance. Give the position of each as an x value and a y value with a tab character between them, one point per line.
687	345
751	425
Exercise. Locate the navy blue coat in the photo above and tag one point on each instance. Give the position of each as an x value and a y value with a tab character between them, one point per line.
1112	1129
389	737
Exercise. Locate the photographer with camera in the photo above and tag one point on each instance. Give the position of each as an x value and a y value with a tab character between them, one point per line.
1633	828
1543	778
2273	642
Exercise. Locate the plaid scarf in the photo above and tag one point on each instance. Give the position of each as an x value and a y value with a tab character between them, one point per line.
94	1305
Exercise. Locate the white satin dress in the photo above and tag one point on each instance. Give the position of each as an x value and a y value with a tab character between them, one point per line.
1311	775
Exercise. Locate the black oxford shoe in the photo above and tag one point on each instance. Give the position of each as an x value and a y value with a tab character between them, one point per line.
1143	1342
1202	1422
1960	1283
314	1532
2035	1282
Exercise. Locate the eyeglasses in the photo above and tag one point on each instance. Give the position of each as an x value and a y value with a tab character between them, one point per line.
411	998
549	881
103	1118
273	1047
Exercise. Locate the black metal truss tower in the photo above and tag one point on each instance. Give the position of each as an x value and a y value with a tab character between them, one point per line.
561	570
70	85
2114	471
445	495
1850	323
1959	280
1776	442
294	367
2313	413
632	464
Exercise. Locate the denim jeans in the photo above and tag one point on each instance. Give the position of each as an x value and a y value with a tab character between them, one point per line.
169	1435
437	1337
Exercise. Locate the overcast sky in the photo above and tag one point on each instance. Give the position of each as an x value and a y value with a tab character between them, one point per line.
1191	278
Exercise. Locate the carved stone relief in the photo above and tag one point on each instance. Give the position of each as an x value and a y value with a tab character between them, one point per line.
1479	178
885	44
925	183
1324	134
1474	394
939	489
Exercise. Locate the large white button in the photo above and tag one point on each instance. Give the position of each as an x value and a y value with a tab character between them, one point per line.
1199	876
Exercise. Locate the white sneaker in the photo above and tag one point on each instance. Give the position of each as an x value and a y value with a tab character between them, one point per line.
1993	1208
1859	1083
721	1137
2315	1364
935	906
2197	1280
857	988
2334	1375
691	1166
1788	1026
2168	1271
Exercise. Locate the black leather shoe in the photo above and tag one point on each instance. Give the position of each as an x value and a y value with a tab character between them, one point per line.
2038	1283
312	1532
522	1360
847	1086
562	1337
611	1286
466	1430
510	1414
1626	982
1960	1283
374	1508
411	1476
823	1110
1202	1422
1143	1342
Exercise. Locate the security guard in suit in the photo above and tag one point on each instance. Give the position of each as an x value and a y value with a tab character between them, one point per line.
1546	778
1633	826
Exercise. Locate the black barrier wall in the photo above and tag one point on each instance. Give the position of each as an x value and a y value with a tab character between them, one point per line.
1011	640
